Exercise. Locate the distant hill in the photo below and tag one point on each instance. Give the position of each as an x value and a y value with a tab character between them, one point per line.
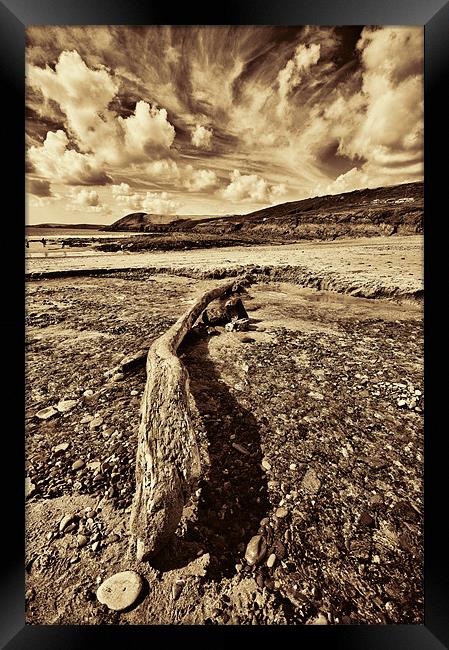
68	226
361	213
144	222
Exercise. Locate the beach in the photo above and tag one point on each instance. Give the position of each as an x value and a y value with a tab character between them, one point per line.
319	403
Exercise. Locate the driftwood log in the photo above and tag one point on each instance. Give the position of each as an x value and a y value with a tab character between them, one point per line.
167	461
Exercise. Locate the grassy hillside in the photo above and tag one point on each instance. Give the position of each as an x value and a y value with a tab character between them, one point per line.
361	213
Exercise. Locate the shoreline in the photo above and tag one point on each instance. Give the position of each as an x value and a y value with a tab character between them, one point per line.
380	267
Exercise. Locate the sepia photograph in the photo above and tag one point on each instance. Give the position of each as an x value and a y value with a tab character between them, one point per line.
224	325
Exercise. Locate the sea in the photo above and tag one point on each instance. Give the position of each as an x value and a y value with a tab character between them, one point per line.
67	233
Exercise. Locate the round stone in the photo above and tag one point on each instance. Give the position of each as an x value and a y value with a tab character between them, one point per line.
78	464
281	513
121	590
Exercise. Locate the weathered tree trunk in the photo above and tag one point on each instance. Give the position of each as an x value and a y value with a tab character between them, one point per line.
167	461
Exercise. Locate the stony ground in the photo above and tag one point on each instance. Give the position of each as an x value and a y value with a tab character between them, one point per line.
311	435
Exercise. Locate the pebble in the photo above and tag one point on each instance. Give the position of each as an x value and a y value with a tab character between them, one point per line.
266	465
366	519
78	464
95	546
86	419
59	449
121	590
118	376
88	393
316	395
311	482
271	560
239	448
320	619
256	549
95	423
402	402
134	392
293	466
281	512
177	588
30	487
46	413
66	405
82	540
94	464
65	521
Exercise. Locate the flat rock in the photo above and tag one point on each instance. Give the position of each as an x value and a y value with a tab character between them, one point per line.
311	482
46	413
66	405
256	549
78	464
95	423
86	419
121	590
59	449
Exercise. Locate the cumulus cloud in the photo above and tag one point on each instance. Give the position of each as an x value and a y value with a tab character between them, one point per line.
159	203
202	137
84	96
122	189
56	162
197	180
146	130
39	187
86	201
251	187
153	202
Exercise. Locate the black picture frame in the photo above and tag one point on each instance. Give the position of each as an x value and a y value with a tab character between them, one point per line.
15	16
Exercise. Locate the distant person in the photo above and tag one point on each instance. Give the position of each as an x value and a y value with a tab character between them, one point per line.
44	242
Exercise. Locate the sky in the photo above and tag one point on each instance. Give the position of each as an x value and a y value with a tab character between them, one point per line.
216	120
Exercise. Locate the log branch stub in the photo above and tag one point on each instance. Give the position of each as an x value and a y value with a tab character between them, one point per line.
167	459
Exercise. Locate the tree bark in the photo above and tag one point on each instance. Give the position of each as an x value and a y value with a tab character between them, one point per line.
167	460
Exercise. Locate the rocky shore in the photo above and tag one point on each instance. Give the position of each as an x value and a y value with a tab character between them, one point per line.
311	436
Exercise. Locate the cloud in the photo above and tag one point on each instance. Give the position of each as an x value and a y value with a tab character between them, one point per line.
57	163
153	202
197	180
86	201
122	189
86	198
202	137
159	203
39	187
290	76
251	187
84	95
148	129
